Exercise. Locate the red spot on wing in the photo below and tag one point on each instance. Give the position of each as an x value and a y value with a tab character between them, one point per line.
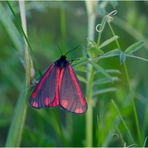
47	101
34	94
64	103
55	102
78	110
82	100
35	104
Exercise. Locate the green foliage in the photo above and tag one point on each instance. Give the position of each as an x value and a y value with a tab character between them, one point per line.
134	47
115	91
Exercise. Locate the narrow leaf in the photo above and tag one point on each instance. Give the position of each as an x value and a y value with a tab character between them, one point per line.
79	61
105	81
134	47
114	51
98	92
137	57
11	29
112	71
82	79
81	68
105	43
102	70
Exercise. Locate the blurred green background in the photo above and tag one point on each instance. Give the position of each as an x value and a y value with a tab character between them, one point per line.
118	111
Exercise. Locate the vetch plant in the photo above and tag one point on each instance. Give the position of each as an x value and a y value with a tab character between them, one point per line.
113	116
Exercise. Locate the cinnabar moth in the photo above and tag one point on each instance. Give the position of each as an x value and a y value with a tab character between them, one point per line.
59	86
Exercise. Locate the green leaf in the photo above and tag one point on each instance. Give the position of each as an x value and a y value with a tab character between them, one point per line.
102	70
113	71
91	44
81	68
137	57
79	61
105	43
106	81
82	79
134	47
114	51
94	52
98	92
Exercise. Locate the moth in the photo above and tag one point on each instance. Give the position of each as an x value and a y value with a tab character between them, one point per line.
59	86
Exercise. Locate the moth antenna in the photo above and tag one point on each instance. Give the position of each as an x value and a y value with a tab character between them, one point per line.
60	49
72	49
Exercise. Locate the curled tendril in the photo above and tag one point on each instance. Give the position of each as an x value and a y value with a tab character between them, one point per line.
110	15
113	13
99	28
109	18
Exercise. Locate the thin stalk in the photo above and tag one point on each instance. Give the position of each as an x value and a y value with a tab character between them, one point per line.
102	25
17	125
113	33
90	6
131	91
63	26
89	114
123	121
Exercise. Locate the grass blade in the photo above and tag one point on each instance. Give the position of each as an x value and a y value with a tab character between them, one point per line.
17	124
11	29
123	121
16	128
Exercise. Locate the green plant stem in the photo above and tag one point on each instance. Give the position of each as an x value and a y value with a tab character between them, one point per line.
131	91
113	33
90	6
103	23
89	114
16	127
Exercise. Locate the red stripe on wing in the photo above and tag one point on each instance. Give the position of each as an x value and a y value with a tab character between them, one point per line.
83	102
45	91
35	92
56	98
71	97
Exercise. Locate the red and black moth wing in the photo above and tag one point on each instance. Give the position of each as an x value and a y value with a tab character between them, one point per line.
45	93
70	94
59	86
